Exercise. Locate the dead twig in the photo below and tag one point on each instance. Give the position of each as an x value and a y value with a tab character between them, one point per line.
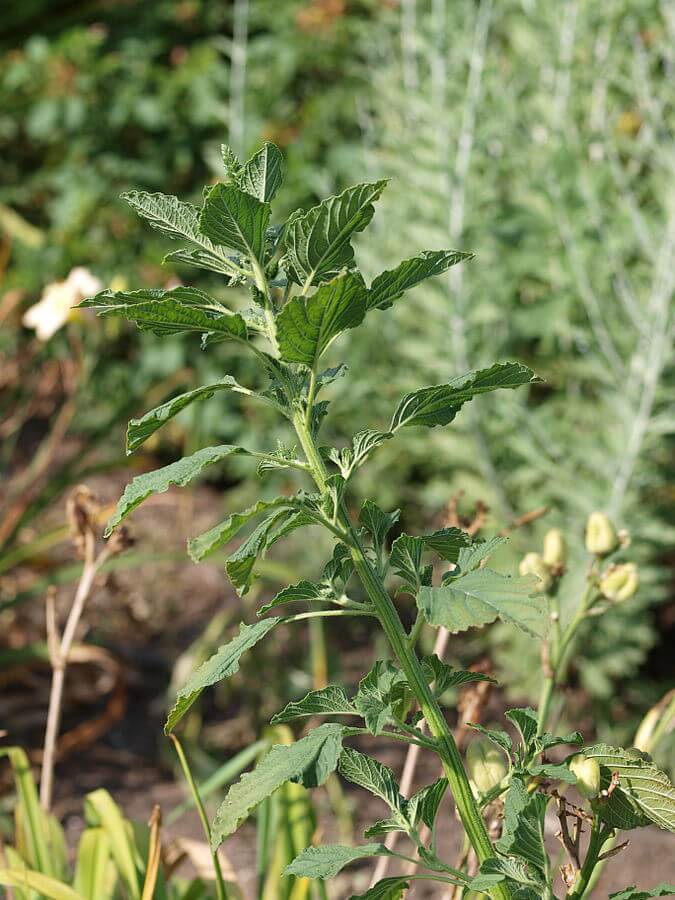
82	510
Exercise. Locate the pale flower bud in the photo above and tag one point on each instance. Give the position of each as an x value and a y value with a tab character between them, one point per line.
487	764
601	537
624	538
555	548
587	772
533	564
620	583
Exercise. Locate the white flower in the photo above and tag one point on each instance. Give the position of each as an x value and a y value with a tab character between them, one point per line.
55	306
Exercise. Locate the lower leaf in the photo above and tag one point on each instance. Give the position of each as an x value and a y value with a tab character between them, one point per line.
309	760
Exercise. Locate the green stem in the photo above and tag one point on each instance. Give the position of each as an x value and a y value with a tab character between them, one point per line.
561	649
398	639
598	837
221	891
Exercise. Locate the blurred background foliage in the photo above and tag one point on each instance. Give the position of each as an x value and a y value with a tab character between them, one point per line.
538	135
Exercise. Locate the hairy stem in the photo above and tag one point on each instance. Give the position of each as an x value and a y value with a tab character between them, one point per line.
561	650
410	664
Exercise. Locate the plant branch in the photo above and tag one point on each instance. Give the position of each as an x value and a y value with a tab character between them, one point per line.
221	891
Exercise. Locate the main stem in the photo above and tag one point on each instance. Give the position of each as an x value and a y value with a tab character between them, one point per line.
398	639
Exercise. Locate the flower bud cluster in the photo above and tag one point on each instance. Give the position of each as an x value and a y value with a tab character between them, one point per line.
549	565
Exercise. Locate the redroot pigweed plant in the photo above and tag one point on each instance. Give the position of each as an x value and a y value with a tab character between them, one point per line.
306	291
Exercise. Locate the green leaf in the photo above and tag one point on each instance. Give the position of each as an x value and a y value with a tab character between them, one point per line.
377	522
327	861
232	218
447	543
644	794
44	885
423	805
317	242
493	871
388	889
633	893
93	862
438	405
35	831
547	741
180	473
500	738
307	325
139	430
391	285
201	546
263	174
239	565
406	560
471	557
380	693
230	161
309	760
372	775
340	566
552	771
481	597
445	677
526	722
328	701
199	259
223	664
385	826
523	826
179	220
364	443
102	811
302	591
182	310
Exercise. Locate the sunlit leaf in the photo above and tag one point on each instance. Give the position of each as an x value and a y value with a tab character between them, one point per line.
139	430
371	775
438	405
317	242
182	310
644	794
180	221
328	701
309	761
307	325
327	861
223	664
180	473
233	218
263	174
392	284
482	596
523	828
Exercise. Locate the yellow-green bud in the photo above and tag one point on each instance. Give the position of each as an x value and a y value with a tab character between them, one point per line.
533	564
619	583
601	537
487	764
587	772
555	548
